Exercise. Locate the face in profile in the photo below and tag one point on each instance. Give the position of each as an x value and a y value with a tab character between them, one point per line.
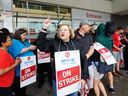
121	31
64	32
23	36
8	42
86	28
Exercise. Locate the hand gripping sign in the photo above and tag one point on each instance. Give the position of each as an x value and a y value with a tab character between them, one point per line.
105	53
27	70
67	64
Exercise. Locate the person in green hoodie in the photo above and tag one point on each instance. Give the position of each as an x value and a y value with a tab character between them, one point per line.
104	36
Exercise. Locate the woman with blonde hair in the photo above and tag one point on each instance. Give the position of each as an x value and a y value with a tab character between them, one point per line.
63	41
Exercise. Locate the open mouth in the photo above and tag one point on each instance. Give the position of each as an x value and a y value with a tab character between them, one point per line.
62	35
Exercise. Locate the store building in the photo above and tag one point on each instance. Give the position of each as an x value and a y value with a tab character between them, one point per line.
30	14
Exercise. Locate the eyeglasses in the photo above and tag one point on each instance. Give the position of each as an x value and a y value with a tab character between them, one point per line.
63	30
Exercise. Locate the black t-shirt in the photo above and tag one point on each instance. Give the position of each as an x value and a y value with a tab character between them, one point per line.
86	41
125	43
95	56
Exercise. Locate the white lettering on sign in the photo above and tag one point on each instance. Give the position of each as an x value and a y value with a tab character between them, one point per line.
27	70
28	75
66	73
68	81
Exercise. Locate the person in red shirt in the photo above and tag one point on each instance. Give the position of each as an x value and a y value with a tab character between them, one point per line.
117	48
7	65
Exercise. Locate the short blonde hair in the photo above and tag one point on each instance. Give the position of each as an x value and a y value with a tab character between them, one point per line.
71	31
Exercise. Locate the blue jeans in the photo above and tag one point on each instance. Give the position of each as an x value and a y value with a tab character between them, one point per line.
55	91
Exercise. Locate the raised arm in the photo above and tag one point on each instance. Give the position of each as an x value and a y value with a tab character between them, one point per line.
43	44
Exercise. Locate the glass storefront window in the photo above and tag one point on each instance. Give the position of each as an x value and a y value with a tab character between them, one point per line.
49	8
1	23
34	6
19	4
33	17
20	20
65	10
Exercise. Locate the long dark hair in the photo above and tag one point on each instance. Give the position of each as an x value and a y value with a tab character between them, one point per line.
18	33
5	31
3	38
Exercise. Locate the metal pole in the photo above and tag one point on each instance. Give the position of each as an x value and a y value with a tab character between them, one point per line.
58	10
28	21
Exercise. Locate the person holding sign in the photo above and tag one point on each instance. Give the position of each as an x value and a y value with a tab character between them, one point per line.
7	65
84	37
63	41
20	48
98	86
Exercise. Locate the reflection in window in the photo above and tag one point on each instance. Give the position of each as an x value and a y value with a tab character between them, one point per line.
37	13
65	10
49	8
19	4
34	6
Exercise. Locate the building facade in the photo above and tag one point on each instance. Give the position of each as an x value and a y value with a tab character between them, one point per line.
30	14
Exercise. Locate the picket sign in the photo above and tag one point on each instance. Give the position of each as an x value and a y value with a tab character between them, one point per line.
43	57
27	70
68	72
105	53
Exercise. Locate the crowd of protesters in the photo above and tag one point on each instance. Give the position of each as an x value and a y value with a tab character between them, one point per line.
112	37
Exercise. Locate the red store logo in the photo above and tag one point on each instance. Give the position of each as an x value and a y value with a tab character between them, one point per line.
90	15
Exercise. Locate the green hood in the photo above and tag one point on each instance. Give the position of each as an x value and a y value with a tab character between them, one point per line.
106	41
101	29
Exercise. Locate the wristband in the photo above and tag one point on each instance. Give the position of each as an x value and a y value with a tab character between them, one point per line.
44	29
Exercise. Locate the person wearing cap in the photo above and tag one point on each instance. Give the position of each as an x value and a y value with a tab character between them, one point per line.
82	34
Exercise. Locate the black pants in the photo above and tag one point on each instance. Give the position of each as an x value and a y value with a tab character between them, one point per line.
41	69
5	91
126	59
16	88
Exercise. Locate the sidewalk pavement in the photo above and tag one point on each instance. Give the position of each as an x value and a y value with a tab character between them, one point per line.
120	84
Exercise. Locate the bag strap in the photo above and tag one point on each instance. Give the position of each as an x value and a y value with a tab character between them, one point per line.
59	46
94	64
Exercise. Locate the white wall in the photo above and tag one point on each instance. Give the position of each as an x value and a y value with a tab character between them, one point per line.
0	4
100	5
91	17
7	11
119	5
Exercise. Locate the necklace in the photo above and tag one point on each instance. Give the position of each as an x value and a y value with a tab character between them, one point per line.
3	48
